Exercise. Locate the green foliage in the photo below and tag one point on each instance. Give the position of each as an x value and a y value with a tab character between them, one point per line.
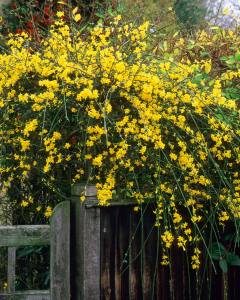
190	12
36	17
225	257
33	268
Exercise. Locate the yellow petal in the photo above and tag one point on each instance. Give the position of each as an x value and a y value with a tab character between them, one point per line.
77	18
74	11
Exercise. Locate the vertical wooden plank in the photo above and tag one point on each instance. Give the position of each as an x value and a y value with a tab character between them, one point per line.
201	283
149	244
163	288
85	233
234	283
60	252
135	276
162	280
216	284
177	273
91	244
122	257
11	269
117	272
108	276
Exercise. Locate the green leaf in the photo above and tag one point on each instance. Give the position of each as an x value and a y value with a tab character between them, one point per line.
231	60
120	8
237	56
205	54
100	15
233	259
223	58
223	265
229	237
22	252
220	117
217	251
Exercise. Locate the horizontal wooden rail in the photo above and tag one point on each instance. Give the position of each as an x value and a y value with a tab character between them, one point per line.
24	235
57	235
27	295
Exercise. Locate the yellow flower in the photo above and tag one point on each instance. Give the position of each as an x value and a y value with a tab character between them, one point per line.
176	218
30	127
38	208
48	212
25	144
165	260
24	203
5	285
196	219
208	66
136	208
173	156
60	14
181	242
167	238
77	17
67	146
223	217
195	259
97	161
73	110
82	198
57	135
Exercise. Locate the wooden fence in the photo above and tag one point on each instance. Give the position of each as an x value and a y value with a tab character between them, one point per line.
57	235
115	255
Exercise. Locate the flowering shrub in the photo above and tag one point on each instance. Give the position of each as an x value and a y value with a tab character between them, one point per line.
19	16
35	17
100	107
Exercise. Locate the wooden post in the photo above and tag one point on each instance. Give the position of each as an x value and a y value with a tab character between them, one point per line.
17	236
6	219
11	269
60	252
86	249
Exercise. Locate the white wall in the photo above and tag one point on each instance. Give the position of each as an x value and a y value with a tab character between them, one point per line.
216	13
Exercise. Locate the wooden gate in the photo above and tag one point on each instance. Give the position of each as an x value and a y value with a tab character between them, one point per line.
57	235
116	255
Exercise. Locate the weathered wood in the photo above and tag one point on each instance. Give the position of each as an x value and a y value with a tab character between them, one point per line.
149	245
60	252
107	254
113	256
122	227
24	235
26	295
163	287
91	200
89	191
13	236
11	275
234	283
216	284
117	253
177	276
85	228
135	277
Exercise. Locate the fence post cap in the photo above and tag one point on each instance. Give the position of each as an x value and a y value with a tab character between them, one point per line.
79	189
